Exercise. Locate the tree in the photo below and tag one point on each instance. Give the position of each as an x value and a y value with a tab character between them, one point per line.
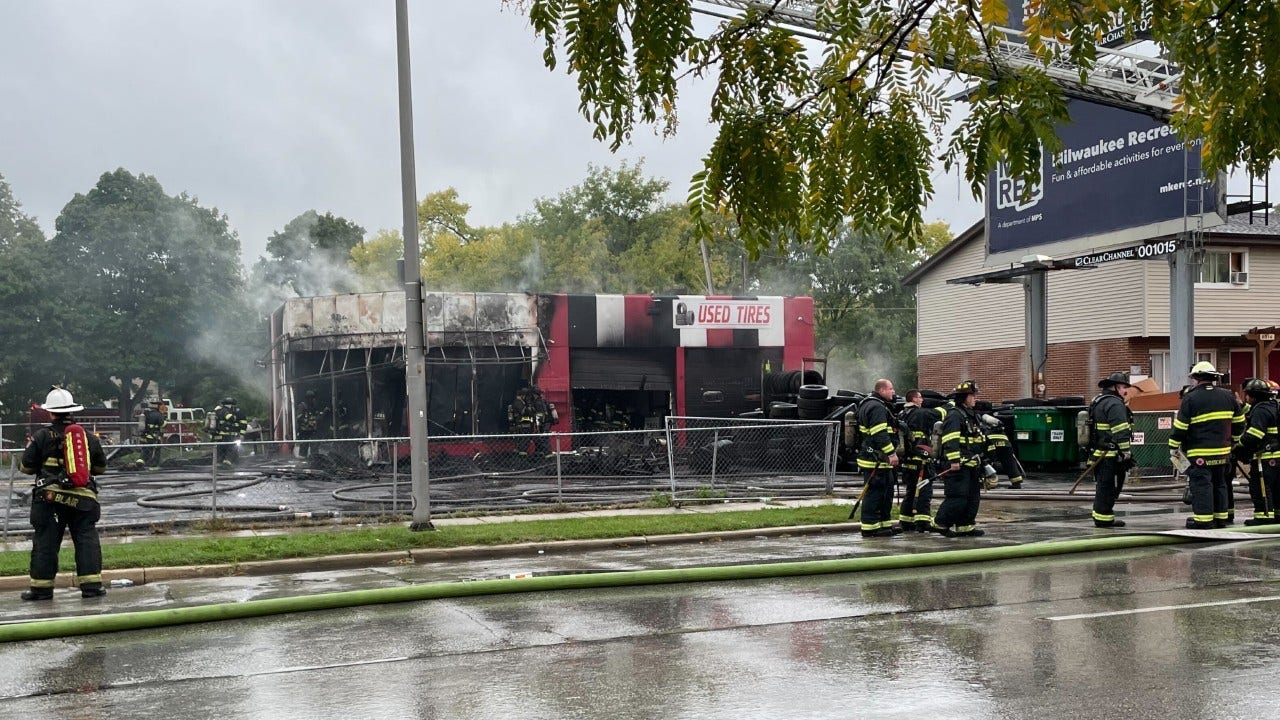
310	256
614	232
28	291
853	132
374	261
155	289
865	318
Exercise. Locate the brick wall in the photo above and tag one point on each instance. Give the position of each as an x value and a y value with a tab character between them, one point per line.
1073	369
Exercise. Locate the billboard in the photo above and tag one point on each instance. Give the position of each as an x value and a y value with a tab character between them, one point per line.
1119	178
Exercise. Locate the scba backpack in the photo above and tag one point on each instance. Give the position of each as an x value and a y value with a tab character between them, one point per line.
75	455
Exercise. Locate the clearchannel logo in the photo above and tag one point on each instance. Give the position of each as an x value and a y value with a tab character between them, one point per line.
1013	193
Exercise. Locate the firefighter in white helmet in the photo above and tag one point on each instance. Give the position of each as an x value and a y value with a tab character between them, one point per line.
58	502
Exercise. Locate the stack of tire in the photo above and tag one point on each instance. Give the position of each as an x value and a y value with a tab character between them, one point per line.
802	397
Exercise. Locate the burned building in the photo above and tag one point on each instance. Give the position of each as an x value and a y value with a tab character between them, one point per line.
638	358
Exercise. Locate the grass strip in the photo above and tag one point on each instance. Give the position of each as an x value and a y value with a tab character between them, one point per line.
310	542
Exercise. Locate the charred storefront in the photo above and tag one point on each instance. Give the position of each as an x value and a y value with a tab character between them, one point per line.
605	361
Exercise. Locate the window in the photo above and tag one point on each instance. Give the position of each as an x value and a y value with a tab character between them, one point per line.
1170	380
1225	268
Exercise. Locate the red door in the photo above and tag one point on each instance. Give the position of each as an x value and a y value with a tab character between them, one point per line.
1241	367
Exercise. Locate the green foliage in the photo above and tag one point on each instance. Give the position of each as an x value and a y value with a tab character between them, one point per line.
611	233
374	261
808	141
151	281
865	318
23	268
310	256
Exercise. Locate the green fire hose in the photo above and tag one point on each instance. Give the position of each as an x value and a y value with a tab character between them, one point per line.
88	625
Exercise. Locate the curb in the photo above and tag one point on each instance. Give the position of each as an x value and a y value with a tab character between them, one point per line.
142	576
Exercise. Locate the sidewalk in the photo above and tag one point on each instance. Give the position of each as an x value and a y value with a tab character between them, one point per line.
139	576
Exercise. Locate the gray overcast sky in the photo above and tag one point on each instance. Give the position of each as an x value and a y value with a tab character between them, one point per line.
268	108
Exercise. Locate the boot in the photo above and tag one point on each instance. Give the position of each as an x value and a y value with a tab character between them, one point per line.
1193	525
1111	524
878	532
972	533
1218	523
1257	521
923	526
896	530
38	594
1016	485
92	591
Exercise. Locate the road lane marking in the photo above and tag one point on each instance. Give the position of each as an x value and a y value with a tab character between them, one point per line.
1163	608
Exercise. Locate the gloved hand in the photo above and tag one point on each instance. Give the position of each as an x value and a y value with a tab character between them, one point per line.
1241	455
1125	460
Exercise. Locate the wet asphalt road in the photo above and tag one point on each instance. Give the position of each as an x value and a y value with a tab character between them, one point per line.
1185	631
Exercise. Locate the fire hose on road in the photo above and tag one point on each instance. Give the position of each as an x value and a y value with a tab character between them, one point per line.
118	622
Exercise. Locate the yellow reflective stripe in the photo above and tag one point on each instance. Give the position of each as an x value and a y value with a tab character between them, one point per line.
1179	425
82	579
1239	418
1202	518
35	583
1211	416
1102	426
1103	518
1256	432
951	436
1120	426
1123	445
887	449
1209	452
877	428
1175	444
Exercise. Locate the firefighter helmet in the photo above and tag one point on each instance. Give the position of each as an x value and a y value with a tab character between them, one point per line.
1273	386
228	401
968	387
1205	370
1255	386
60	401
1115	378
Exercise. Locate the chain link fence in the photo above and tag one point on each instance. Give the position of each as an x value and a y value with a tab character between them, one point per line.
1150	443
690	460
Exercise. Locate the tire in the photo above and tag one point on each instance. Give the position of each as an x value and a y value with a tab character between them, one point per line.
779	383
849	394
812	392
811	377
783	410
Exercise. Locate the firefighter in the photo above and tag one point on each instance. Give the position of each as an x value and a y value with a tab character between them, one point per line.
229	425
1000	450
918	470
152	433
1109	446
58	505
531	413
1209	420
1259	449
962	445
309	414
877	459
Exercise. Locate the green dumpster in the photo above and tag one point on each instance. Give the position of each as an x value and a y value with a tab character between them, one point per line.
1045	437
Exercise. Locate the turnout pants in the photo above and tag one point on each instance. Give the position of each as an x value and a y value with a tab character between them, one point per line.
961	495
50	520
1108	481
916	499
1209	491
877	506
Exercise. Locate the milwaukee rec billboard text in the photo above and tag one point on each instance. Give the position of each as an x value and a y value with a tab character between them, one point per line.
1120	177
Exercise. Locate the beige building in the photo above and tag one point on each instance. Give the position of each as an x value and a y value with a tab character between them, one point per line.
1113	316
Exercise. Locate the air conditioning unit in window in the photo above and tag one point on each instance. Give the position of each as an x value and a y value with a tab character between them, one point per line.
1239	278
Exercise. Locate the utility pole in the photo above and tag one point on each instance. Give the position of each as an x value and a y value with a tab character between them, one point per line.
415	366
